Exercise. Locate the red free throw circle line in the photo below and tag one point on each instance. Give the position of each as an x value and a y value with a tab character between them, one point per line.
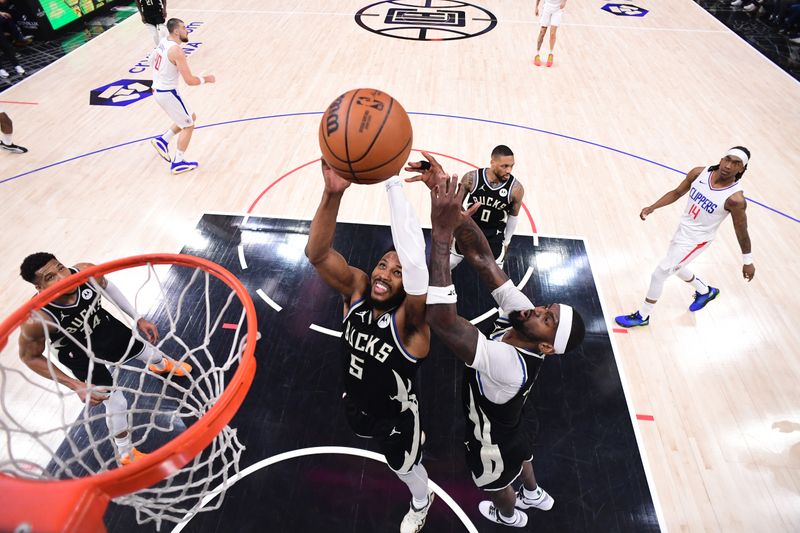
304	165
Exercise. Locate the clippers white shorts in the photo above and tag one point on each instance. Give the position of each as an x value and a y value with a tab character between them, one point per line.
551	15
172	103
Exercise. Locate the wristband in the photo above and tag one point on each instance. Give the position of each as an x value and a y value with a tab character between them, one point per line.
202	80
747	259
441	295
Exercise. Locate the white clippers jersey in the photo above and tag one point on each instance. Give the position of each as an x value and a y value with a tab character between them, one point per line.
166	72
705	209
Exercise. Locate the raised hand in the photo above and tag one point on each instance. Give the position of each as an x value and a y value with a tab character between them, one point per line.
430	172
334	183
446	200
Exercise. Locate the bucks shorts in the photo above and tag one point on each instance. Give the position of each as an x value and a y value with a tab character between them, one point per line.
399	437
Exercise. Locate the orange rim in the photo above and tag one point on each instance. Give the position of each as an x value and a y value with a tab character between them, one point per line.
173	455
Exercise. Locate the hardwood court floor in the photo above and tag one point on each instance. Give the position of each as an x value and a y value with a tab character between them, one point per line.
630	104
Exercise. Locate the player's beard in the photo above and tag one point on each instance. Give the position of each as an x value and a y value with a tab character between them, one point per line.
391	303
185	39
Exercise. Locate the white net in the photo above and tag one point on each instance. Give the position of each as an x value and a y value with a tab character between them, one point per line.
47	432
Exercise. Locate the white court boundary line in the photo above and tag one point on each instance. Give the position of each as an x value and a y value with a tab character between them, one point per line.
750	46
628	399
322	450
84	45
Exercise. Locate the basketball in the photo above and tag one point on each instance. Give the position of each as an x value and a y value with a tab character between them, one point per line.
365	136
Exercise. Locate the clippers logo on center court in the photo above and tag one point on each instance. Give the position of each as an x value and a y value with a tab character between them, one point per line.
426	20
121	93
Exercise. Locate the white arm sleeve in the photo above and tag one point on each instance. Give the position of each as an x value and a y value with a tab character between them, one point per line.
116	296
509	298
408	239
502	370
511	227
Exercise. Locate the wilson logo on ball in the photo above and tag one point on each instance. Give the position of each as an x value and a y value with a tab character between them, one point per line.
365	136
332	120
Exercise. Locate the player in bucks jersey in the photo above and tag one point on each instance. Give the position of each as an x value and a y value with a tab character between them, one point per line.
385	336
714	192
501	369
500	196
75	322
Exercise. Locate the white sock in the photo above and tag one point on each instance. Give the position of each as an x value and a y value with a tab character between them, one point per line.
699	286
178	156
168	135
534	494
6	138
646	309
417	481
152	356
124	445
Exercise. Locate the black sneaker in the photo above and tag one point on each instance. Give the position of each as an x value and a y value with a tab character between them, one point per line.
13	148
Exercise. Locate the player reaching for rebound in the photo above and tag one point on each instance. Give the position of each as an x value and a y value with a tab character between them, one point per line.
79	316
501	369
385	336
714	192
169	60
500	196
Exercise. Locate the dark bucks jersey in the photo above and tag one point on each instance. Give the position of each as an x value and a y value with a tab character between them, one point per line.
86	321
378	371
495	203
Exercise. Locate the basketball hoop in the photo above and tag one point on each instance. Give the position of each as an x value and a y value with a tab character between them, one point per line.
75	498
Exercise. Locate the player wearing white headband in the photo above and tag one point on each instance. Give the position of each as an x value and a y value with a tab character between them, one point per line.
501	369
714	192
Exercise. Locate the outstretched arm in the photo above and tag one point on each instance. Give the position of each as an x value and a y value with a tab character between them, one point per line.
673	195
348	281
409	243
737	206
458	334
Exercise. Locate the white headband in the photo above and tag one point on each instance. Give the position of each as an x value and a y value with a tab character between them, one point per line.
564	329
735	152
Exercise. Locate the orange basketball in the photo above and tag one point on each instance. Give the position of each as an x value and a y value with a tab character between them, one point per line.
365	136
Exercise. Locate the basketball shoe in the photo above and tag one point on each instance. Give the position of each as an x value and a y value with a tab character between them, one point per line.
13	148
537	61
179	167
134	455
162	147
488	510
181	369
632	320
550	60
701	300
415	518
542	500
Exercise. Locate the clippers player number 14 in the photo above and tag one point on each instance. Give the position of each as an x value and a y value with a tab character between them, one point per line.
714	192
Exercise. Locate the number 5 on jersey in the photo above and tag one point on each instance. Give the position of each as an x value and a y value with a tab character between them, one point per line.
355	366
